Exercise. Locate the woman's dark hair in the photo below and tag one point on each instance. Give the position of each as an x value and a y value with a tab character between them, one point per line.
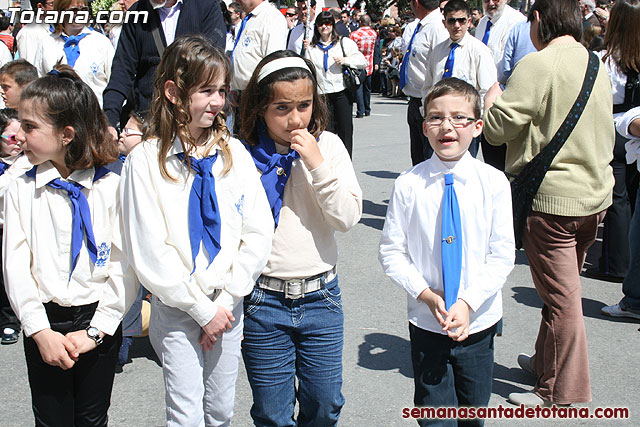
258	95
7	115
324	17
557	18
622	42
63	99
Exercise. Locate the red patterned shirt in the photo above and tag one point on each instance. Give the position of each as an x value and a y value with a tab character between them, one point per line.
365	38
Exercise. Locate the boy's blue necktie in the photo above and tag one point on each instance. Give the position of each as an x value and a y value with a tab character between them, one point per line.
451	242
405	59
487	31
448	66
72	48
204	214
81	222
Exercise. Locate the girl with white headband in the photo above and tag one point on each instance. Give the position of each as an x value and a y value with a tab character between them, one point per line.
293	318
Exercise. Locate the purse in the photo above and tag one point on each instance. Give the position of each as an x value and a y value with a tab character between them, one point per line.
350	76
526	184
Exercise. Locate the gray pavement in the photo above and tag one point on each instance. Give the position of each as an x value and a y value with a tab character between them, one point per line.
377	366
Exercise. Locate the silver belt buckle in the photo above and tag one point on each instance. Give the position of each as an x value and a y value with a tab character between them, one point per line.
293	289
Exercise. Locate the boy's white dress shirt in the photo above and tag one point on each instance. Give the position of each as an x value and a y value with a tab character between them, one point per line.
499	32
472	63
156	224
410	247
37	250
93	65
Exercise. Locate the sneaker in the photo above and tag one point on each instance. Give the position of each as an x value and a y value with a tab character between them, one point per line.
529	399
9	336
524	360
617	311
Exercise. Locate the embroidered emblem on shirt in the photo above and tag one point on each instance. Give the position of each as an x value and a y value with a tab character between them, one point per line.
103	254
414	52
246	41
94	68
240	205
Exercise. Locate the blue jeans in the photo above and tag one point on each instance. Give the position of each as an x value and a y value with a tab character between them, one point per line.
631	284
287	338
363	95
450	373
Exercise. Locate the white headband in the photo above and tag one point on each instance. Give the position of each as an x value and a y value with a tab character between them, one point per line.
282	63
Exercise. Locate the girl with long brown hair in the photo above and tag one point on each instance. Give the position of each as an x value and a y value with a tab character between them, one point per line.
197	230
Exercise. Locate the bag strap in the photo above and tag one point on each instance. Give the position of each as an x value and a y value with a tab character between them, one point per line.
631	93
342	47
548	153
155	31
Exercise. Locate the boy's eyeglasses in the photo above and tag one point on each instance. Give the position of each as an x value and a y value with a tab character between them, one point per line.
131	132
461	21
11	138
457	121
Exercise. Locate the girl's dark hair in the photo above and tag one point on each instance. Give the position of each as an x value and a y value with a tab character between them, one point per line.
63	99
190	62
142	119
7	115
258	95
323	18
622	42
557	18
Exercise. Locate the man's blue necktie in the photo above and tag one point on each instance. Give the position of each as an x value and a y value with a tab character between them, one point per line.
244	23
485	38
204	214
326	55
405	59
451	242
81	219
72	48
448	66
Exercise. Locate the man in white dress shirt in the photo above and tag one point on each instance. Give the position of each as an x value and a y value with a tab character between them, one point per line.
499	17
299	33
462	56
30	36
420	38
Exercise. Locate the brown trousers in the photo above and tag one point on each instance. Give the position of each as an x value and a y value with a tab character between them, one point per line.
556	247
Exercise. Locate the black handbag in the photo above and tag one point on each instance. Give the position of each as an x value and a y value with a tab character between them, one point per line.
526	184
350	76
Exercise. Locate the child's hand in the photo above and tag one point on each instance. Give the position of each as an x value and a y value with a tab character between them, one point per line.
457	322
206	342
81	341
435	301
220	324
307	146
55	348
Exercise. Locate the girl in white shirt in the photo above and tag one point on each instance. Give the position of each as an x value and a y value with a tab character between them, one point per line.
197	230
62	240
293	318
87	51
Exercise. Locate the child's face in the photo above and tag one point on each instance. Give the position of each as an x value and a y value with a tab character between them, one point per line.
10	91
290	109
8	143
38	139
450	142
457	24
130	136
206	103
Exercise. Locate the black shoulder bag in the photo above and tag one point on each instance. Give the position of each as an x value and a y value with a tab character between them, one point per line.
526	184
350	76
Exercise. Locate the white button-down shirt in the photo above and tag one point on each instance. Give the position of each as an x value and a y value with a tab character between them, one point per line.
37	250
473	63
265	32
410	247
623	121
169	20
331	81
93	65
155	212
18	166
499	31
29	39
431	33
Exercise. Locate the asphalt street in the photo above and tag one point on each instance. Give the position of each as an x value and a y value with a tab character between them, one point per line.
377	366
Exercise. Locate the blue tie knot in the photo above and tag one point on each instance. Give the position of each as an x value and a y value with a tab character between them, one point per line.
448	179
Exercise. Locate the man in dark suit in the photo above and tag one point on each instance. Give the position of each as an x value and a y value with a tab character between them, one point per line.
341	29
588	18
136	59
